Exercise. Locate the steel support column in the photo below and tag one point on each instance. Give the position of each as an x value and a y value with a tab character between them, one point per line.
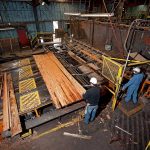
36	18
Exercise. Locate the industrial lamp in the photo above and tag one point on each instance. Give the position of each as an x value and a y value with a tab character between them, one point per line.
97	15
72	14
90	15
43	3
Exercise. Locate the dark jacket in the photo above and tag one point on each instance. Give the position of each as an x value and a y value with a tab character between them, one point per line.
92	96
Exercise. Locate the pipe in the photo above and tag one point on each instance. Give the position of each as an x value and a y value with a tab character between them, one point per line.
123	130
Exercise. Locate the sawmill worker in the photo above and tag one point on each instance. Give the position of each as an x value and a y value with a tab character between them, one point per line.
133	85
91	97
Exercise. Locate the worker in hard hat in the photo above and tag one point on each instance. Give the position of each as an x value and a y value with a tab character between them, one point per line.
91	97
133	85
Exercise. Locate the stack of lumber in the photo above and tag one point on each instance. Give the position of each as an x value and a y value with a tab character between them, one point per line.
11	121
63	88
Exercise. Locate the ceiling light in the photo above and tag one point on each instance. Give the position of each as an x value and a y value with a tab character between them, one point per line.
98	15
72	14
43	3
9	28
41	40
90	15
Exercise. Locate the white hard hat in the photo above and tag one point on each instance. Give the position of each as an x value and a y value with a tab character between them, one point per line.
137	69
93	80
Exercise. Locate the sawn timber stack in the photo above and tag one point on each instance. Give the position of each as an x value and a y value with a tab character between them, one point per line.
64	89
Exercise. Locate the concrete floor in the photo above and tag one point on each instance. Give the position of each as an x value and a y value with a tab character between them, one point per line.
58	141
100	137
104	135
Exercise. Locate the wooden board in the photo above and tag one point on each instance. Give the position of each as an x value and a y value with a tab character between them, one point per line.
78	59
64	89
130	112
5	105
69	76
15	120
93	66
137	56
92	56
11	119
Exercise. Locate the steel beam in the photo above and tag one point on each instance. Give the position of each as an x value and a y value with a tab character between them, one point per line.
36	18
61	1
53	115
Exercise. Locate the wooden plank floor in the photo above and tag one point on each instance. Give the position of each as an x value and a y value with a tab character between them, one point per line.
64	89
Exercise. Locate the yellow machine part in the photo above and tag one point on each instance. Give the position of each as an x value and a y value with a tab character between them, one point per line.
112	70
24	62
148	146
29	133
29	101
27	85
25	72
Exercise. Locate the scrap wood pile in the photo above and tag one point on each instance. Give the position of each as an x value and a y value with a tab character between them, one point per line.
64	89
11	121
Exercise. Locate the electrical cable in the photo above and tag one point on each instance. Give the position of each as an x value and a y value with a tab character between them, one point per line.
118	47
112	11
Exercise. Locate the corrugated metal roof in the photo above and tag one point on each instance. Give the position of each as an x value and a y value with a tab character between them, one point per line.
55	11
23	12
16	11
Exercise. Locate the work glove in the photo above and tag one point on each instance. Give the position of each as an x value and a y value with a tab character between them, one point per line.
123	89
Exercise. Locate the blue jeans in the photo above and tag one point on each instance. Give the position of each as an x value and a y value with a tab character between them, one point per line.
90	112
